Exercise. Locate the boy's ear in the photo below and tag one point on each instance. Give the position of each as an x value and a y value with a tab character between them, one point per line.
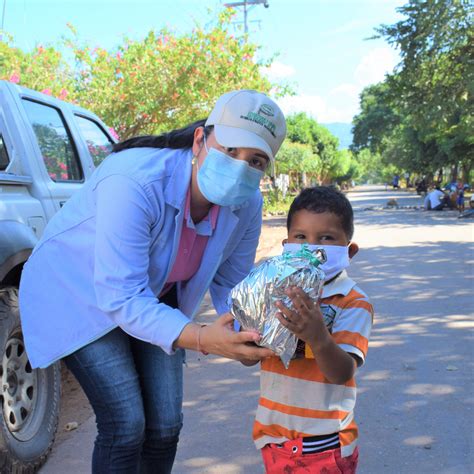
284	241
353	249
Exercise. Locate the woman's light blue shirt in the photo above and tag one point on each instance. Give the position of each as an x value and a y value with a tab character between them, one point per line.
105	257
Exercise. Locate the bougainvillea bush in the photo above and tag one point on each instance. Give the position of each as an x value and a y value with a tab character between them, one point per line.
161	82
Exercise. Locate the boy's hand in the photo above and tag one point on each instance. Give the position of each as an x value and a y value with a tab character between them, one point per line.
305	321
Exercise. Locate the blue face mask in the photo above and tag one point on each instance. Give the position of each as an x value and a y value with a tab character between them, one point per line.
227	181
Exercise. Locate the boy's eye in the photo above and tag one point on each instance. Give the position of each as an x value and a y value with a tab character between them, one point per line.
327	237
300	236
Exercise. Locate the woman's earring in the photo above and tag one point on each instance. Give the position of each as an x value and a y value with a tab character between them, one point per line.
194	160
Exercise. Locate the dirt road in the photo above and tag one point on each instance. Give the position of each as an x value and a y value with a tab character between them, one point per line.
416	389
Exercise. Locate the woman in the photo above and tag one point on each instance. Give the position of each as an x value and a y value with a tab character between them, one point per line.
114	283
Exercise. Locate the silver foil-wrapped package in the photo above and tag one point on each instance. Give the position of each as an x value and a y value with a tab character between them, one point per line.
252	301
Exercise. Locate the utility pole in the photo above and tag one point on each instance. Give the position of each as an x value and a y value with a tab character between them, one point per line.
245	4
3	19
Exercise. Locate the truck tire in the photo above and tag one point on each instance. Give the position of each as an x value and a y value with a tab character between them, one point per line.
29	399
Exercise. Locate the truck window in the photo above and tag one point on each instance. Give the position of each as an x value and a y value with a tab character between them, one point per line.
54	139
98	143
4	160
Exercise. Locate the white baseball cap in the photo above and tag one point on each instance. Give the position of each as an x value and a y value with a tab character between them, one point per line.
248	119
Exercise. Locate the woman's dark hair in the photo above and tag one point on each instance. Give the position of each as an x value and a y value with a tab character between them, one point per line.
180	138
321	199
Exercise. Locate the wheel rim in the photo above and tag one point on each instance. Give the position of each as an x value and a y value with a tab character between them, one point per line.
18	385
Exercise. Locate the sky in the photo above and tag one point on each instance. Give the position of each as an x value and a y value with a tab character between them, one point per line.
321	47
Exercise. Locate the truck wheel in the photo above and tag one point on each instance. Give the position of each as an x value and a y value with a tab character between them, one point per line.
29	399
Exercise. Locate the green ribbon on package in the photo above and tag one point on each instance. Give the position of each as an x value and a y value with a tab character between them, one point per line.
305	253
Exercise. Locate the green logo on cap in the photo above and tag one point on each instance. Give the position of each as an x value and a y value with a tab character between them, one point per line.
266	110
260	119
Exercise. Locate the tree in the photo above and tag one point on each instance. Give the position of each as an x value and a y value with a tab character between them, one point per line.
161	82
433	83
305	130
296	159
377	119
43	69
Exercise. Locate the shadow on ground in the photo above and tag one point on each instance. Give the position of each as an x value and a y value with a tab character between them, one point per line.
416	390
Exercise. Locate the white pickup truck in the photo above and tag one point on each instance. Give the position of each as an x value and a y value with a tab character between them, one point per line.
48	148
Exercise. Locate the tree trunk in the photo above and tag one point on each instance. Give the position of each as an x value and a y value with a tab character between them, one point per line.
440	176
466	172
454	173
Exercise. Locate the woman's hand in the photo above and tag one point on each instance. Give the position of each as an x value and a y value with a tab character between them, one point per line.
220	338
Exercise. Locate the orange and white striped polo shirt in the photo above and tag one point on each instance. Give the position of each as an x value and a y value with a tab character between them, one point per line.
300	401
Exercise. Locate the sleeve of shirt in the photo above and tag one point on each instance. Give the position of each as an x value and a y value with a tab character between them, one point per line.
352	326
238	265
122	244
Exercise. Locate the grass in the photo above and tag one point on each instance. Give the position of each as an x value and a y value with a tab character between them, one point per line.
275	204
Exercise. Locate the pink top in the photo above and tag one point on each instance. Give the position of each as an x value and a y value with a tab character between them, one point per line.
192	244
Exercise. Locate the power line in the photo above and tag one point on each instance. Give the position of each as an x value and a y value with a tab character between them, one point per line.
247	6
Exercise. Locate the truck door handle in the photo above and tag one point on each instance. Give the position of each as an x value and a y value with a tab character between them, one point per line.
61	203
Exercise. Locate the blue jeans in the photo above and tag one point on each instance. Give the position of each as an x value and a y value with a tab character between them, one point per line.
136	391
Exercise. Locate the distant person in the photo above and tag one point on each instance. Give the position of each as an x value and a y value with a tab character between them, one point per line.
304	421
407	179
468	213
435	200
460	201
453	195
396	182
452	186
421	186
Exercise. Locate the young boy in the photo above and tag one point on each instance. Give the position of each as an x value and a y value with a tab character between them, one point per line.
304	421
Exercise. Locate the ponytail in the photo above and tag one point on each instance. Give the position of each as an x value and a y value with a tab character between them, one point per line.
180	138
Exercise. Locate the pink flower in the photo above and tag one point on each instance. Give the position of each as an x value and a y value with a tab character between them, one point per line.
46	91
63	175
114	133
63	94
52	176
63	166
15	77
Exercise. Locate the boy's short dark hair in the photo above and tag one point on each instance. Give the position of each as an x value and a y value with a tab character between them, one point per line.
324	199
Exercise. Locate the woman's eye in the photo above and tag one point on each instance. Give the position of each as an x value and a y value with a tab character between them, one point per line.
256	163
231	150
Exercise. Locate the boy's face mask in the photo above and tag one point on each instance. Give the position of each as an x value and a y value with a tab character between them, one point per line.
337	257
